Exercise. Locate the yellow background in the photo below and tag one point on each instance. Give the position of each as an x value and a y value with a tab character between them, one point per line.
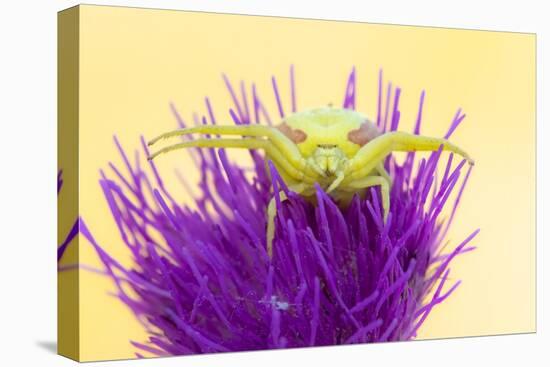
133	62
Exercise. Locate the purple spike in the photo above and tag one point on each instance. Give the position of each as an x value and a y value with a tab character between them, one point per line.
72	234
395	114
59	181
379	114
456	121
259	108
349	97
233	97
419	116
387	108
277	96
292	89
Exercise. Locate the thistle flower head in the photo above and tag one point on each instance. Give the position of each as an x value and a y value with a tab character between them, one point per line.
337	275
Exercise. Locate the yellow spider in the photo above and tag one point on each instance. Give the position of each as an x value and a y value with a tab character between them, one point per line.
337	148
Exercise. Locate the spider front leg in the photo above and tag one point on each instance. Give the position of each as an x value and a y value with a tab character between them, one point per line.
372	153
272	151
279	144
340	176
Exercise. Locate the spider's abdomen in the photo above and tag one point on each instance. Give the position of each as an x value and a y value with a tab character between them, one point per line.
328	127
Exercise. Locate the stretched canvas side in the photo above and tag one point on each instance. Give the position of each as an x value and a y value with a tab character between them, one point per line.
67	225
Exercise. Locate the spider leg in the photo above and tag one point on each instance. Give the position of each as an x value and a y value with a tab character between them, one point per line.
382	172
337	181
272	212
280	140
272	151
372	154
381	181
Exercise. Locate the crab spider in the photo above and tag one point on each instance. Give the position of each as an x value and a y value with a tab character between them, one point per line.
339	149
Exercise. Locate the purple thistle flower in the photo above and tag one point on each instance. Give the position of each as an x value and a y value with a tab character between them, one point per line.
337	276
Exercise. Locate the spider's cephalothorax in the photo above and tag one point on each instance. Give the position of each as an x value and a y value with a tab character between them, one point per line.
328	138
337	148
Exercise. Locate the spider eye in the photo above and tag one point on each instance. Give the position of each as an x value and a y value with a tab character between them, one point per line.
327	146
